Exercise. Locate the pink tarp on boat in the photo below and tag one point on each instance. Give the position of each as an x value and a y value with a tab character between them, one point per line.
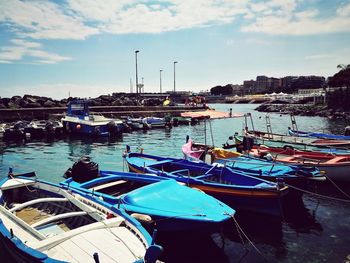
212	114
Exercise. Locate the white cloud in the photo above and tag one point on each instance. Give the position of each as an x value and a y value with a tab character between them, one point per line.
79	19
23	49
43	19
285	20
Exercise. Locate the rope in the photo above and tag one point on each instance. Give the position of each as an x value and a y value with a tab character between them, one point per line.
319	195
239	229
14	178
336	186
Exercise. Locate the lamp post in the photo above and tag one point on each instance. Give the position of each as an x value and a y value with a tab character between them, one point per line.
174	76
160	80
137	82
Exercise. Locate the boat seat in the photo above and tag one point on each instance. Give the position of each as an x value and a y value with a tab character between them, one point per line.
103	186
58	217
36	201
55	240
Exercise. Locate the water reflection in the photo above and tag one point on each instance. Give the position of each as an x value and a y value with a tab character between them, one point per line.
300	218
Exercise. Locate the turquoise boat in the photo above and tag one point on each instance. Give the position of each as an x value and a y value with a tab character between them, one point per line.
156	201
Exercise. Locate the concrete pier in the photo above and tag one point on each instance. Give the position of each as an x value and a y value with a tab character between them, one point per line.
8	115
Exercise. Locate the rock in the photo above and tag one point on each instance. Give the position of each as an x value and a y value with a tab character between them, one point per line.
49	104
12	105
33	105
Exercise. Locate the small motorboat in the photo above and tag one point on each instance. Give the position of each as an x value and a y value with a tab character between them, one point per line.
79	120
42	222
237	189
135	123
158	202
154	122
15	131
44	128
262	168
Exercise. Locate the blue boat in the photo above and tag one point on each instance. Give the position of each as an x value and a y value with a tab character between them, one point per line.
42	222
317	135
79	120
237	189
157	201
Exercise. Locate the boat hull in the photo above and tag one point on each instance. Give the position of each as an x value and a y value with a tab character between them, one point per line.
266	201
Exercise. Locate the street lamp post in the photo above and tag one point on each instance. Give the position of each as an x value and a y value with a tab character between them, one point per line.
160	80
137	82
174	77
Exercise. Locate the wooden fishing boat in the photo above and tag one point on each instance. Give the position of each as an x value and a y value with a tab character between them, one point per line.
237	189
157	201
42	222
261	168
336	167
292	145
79	120
261	137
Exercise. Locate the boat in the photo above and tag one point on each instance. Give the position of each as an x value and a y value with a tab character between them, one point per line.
135	123
158	202
298	144
262	168
43	128
317	135
176	121
335	167
154	122
237	189
79	120
43	222
262	136
15	131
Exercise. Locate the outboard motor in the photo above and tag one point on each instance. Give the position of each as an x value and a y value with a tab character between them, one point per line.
112	128
83	170
347	131
49	128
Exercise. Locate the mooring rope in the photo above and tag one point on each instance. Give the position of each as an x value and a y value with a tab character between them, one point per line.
239	229
337	187
319	195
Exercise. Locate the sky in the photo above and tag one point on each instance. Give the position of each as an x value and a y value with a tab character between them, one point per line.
86	48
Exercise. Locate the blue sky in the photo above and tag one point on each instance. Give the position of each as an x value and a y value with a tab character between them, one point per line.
86	47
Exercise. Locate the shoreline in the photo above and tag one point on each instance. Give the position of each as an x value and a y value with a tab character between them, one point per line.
304	110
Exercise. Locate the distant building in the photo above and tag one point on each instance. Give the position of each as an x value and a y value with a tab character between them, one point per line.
248	86
308	82
262	83
286	84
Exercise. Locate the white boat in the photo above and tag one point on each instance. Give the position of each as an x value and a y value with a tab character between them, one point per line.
41	222
79	120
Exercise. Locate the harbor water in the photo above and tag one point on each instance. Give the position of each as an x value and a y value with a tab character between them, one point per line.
313	228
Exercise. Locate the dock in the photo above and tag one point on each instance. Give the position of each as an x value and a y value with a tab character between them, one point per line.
9	115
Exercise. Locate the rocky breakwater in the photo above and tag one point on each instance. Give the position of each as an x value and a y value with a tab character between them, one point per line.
30	101
305	110
31	107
